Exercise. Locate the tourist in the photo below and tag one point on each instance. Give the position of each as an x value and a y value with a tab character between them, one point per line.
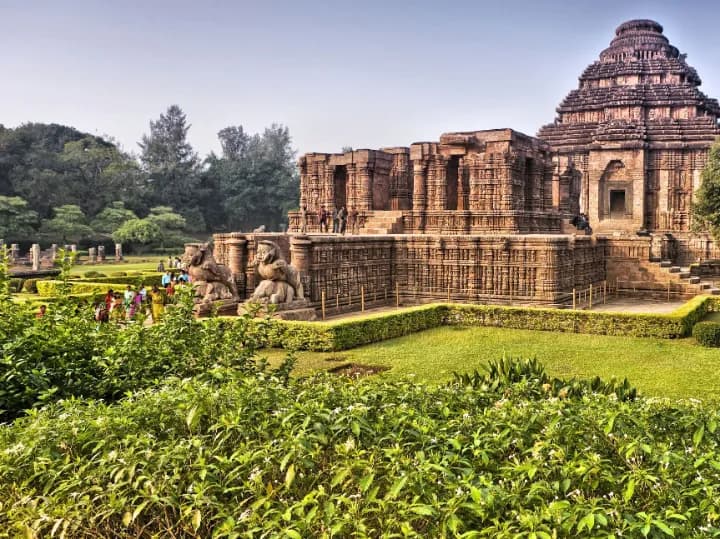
157	298
101	312
41	311
109	297
323	219
136	307
170	290
342	216
178	262
353	220
161	267
128	297
303	220
169	263
184	276
117	312
335	220
166	278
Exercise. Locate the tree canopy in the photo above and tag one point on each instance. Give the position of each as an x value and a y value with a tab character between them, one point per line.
47	168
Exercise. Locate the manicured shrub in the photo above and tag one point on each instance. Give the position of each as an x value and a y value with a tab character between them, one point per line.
118	273
30	286
707	334
16	284
91	273
350	333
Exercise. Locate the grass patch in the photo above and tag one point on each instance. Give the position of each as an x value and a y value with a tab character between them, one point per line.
658	367
131	263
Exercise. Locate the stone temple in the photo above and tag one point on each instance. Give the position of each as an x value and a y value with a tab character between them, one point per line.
485	216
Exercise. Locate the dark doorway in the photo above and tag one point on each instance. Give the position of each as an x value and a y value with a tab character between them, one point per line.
617	204
340	184
451	183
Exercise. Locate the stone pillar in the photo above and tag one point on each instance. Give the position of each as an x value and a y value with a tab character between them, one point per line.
364	191
301	259
66	248
53	252
118	252
73	250
92	255
101	253
419	199
237	262
35	254
14	252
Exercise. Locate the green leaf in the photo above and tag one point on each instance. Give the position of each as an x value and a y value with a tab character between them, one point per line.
366	481
289	476
396	487
698	436
629	490
355	426
293	534
196	519
424	510
659	524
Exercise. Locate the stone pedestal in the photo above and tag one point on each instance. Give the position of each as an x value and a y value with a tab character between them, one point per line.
118	252
73	248
101	253
221	307
53	252
14	252
35	256
92	255
295	310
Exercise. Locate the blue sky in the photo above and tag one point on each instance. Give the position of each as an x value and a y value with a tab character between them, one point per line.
337	73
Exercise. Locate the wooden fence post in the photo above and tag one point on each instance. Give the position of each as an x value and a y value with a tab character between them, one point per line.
590	302
322	299
397	295
574	304
362	298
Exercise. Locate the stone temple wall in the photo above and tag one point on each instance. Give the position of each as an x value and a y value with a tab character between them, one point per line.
524	269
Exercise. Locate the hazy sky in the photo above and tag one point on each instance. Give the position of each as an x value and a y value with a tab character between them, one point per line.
338	73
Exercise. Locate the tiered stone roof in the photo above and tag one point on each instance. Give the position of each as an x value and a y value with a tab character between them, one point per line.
641	91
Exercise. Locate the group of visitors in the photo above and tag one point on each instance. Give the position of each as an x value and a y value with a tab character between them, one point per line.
341	219
172	263
135	304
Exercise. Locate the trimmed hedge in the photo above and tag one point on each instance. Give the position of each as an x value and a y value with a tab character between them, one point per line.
30	286
148	279
353	332
345	334
707	334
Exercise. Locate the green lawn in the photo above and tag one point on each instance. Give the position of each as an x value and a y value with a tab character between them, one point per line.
657	367
131	263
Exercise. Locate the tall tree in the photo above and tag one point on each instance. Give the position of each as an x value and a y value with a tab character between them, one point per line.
112	217
171	162
17	220
706	208
254	182
68	224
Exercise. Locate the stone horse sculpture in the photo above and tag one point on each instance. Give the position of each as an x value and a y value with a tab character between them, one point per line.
281	281
211	281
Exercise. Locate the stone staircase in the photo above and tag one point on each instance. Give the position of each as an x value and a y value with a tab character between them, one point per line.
383	222
679	274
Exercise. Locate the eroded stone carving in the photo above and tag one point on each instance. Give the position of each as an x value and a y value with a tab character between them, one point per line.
281	281
211	281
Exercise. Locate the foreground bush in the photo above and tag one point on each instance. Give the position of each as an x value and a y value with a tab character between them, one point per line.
707	334
67	353
249	455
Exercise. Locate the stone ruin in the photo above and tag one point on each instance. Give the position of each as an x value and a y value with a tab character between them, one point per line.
485	216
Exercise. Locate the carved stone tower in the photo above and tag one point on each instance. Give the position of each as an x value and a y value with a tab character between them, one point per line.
630	143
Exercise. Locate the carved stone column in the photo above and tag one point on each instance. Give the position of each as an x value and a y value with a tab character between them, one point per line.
419	187
237	262
301	259
365	196
92	255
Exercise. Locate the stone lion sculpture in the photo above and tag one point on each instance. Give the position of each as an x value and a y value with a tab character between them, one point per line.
281	281
211	281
